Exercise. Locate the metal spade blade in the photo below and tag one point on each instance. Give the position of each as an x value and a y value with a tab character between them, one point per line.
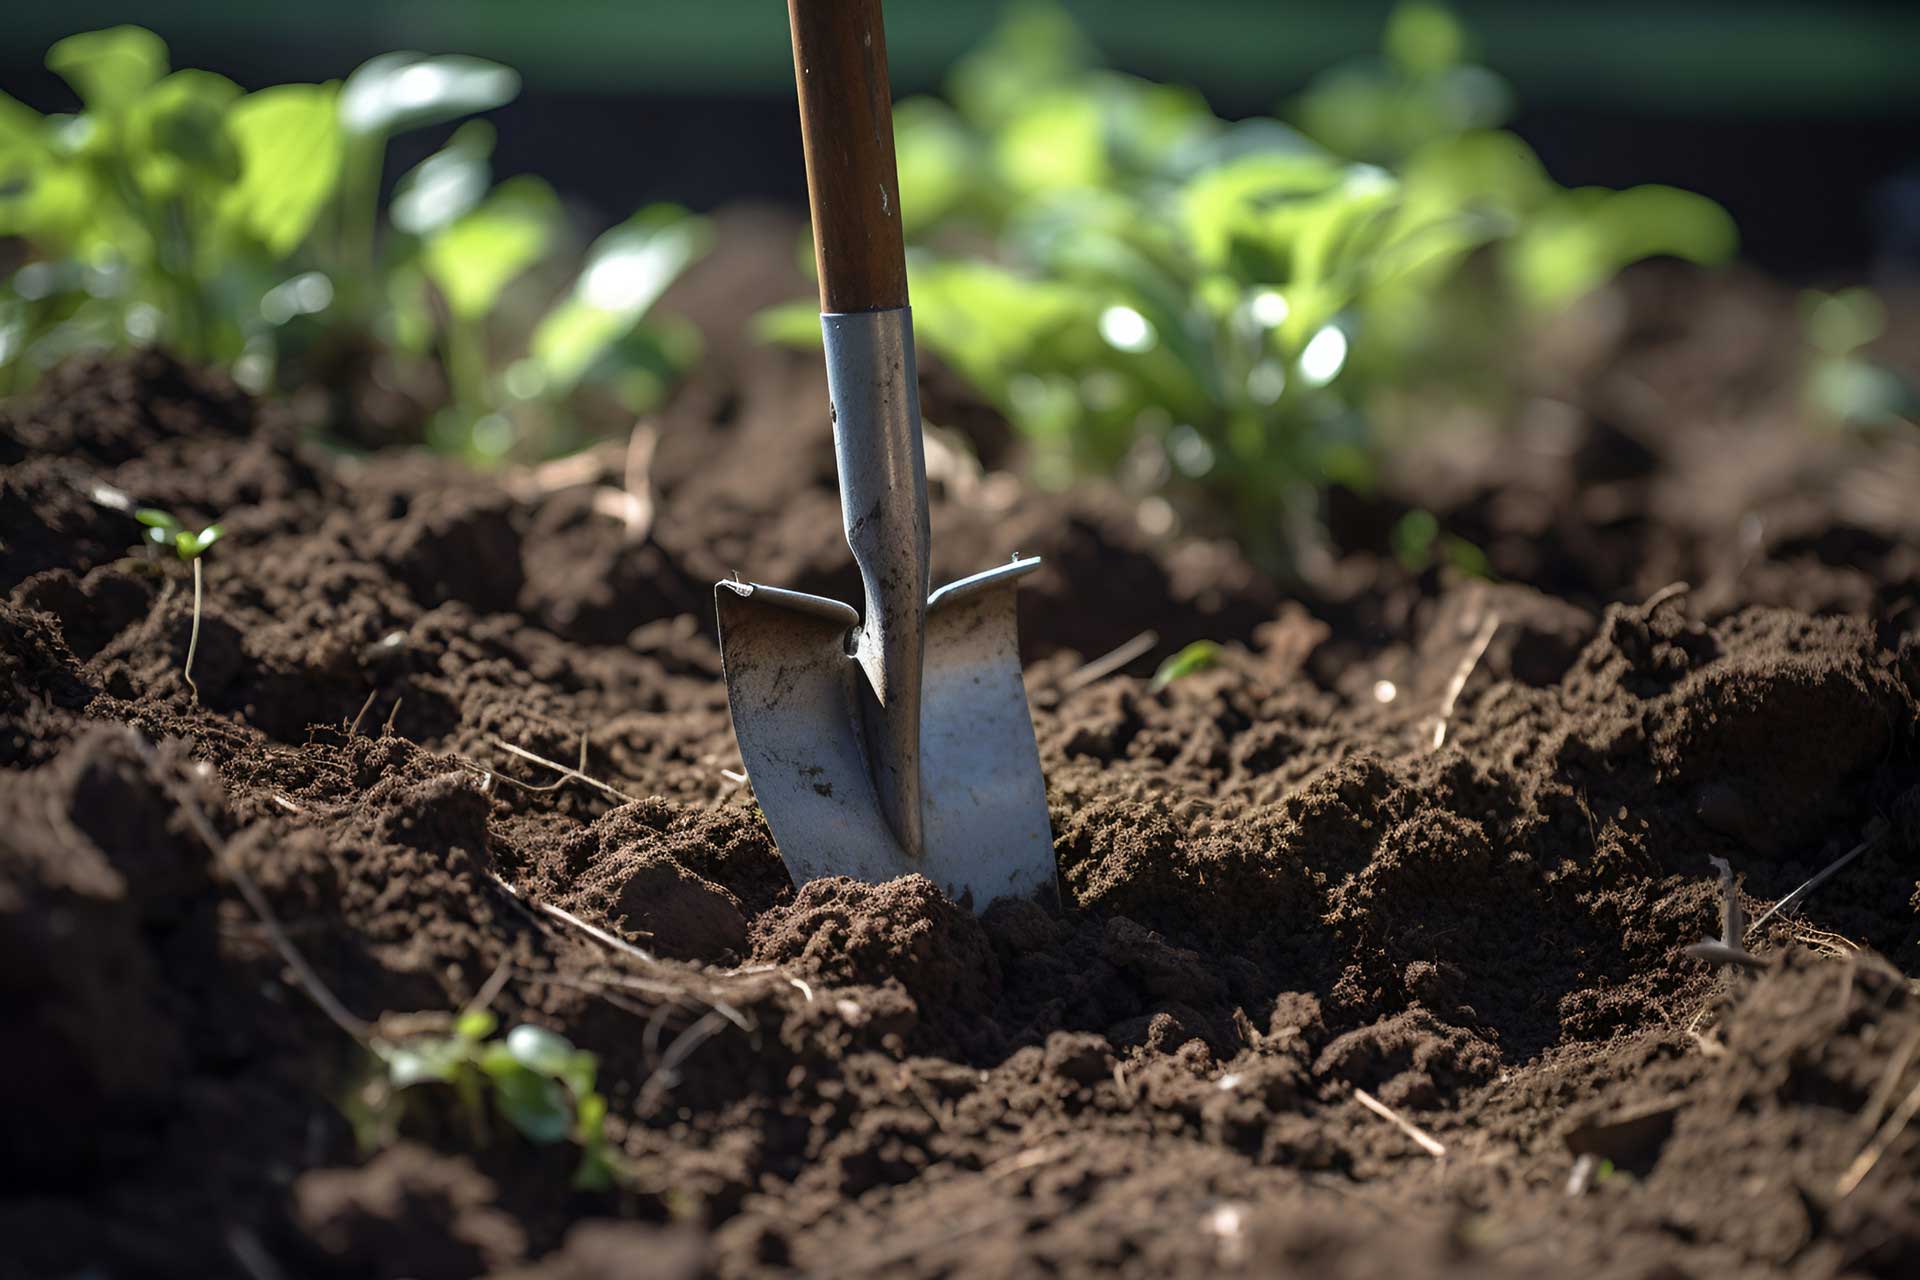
796	700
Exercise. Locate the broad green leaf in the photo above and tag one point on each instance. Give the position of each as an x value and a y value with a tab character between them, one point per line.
21	127
398	91
478	256
290	149
625	272
1231	204
938	162
110	69
1842	322
1057	143
1037	43
447	184
177	138
206	538
1586	236
1197	656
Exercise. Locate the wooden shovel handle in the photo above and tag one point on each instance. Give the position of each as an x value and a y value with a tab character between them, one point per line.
846	127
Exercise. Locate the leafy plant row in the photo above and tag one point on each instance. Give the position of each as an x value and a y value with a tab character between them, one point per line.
246	229
1238	314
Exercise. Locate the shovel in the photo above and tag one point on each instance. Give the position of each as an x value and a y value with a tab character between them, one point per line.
894	739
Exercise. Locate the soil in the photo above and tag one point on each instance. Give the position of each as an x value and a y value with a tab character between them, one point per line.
1291	882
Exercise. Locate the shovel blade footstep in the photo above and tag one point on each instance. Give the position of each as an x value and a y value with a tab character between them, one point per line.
796	715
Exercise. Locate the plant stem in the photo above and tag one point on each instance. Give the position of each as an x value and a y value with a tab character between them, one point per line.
193	636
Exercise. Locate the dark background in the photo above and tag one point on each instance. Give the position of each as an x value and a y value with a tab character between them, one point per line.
1801	117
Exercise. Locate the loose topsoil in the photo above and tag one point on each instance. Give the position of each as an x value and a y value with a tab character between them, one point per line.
1290	883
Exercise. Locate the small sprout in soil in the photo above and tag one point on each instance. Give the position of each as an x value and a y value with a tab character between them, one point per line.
538	1082
165	530
1727	948
1198	656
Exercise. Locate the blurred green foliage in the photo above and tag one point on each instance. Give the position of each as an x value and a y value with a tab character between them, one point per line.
1238	314
245	229
1845	386
533	1079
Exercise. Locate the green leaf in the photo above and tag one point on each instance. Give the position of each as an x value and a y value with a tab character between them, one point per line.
290	149
1058	142
625	272
207	537
938	162
537	1106
395	92
110	69
1037	43
427	1061
1413	538
1586	236
475	1025
539	1049
1842	322
447	184
1424	39
789	324
177	136
1197	656
478	256
154	518
21	128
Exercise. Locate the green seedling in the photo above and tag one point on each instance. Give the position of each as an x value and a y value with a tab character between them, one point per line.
1237	315
1418	544
1845	385
165	530
1198	656
533	1079
244	229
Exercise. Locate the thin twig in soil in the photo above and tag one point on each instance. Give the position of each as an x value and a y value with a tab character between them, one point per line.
666	1075
386	730
303	973
490	777
593	931
252	1255
561	769
1468	661
598	989
1426	1141
1876	832
1876	1108
1869	1157
679	994
285	803
193	635
490	989
1105	665
353	729
638	481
